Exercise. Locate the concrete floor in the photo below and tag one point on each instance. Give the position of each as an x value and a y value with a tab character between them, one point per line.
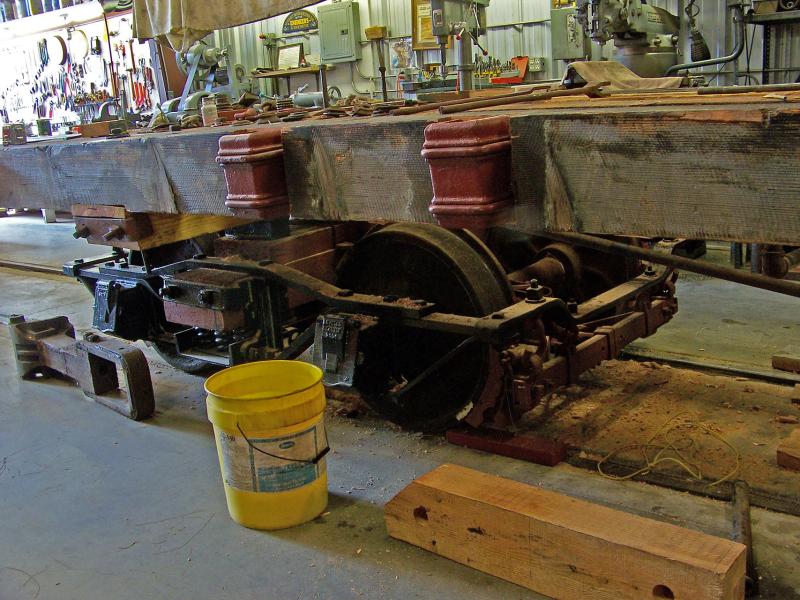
722	323
93	505
26	238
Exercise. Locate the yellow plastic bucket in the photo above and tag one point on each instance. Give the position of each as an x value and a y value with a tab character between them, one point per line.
271	441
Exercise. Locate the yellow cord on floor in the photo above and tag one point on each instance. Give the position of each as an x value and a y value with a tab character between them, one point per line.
659	458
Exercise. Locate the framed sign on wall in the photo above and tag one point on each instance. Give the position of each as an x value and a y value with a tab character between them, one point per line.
299	21
422	37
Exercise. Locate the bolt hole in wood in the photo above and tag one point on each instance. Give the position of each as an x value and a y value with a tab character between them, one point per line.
421	513
662	591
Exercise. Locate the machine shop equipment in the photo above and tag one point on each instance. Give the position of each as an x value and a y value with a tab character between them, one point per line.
645	37
569	39
206	73
465	20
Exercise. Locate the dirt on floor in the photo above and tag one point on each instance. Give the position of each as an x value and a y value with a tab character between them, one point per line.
687	424
693	427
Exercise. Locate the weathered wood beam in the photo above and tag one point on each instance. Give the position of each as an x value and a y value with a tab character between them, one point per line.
726	172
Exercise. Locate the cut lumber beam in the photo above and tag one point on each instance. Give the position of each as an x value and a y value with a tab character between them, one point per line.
534	449
560	546
140	231
789	451
788	360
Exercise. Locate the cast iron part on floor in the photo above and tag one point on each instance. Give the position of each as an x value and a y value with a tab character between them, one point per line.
94	363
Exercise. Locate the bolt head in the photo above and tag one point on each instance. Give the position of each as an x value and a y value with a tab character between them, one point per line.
534	293
206	296
169	291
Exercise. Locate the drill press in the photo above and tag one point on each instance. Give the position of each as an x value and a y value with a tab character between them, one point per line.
465	20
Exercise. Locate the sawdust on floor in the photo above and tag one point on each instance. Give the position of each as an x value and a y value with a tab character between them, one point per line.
620	405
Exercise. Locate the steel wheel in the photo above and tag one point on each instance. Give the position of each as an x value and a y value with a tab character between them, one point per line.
460	276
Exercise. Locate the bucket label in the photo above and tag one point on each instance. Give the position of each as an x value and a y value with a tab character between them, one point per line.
261	465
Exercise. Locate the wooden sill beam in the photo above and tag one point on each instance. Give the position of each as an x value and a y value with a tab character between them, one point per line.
560	546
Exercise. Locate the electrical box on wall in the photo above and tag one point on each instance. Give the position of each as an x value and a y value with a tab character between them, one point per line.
339	32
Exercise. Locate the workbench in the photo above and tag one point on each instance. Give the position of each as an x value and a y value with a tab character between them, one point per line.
672	164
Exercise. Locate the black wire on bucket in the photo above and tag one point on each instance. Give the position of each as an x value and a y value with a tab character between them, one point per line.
312	461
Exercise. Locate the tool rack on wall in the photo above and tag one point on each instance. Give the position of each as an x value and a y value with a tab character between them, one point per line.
65	65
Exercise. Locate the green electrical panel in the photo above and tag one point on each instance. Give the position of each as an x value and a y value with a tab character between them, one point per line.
568	38
339	32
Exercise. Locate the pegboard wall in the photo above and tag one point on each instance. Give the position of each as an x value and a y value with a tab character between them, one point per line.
66	74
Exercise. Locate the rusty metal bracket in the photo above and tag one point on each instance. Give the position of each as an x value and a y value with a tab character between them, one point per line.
95	363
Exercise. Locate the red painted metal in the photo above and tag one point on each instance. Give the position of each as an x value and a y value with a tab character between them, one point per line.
470	164
531	448
254	173
207	318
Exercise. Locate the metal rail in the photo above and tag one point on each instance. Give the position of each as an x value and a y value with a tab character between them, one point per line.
780	286
30	267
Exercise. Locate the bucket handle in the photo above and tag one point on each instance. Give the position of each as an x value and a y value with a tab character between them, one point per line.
312	461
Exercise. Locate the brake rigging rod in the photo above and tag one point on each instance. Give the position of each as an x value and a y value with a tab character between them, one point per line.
781	286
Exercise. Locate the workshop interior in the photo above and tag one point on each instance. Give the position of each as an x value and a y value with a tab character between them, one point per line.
400	298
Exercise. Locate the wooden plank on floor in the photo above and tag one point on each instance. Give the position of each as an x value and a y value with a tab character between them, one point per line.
558	545
788	454
787	360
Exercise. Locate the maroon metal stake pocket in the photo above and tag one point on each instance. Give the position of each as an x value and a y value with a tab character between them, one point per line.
254	173
470	163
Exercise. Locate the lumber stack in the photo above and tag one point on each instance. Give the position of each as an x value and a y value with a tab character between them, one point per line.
560	546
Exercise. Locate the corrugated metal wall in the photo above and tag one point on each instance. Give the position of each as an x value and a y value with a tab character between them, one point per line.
516	27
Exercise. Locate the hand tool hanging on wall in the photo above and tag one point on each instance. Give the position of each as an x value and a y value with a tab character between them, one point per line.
44	55
96	46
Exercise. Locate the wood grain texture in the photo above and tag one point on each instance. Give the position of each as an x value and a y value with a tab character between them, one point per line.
169	228
560	546
723	168
175	228
690	176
